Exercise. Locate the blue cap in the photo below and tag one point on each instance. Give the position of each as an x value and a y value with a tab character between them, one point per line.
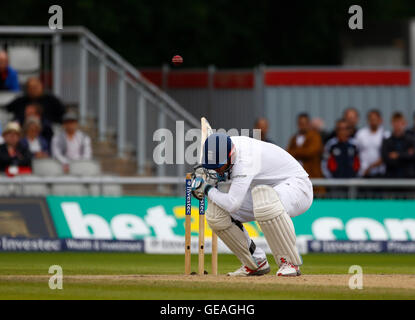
217	151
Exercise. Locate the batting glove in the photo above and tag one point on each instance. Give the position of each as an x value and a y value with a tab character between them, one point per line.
200	188
201	182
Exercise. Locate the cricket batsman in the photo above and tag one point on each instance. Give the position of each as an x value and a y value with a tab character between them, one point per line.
267	185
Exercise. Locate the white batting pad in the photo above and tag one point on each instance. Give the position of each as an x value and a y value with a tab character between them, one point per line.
220	222
235	240
276	224
267	204
217	218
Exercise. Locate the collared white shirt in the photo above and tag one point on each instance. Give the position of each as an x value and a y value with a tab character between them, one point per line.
369	144
77	148
34	145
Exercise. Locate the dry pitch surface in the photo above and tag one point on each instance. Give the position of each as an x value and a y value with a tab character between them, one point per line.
397	281
123	276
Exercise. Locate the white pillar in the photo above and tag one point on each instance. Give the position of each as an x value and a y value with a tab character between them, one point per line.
57	64
121	113
102	99
141	134
83	80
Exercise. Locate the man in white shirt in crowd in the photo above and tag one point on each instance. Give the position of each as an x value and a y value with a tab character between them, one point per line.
71	144
369	142
267	185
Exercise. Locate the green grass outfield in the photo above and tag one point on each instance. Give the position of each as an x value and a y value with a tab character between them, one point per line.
25	276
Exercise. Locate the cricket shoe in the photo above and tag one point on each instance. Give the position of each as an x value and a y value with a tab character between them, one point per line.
287	269
244	271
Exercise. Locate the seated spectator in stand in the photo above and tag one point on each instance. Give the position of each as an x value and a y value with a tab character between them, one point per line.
369	142
306	146
262	124
32	140
34	110
318	125
52	107
8	76
341	158
13	154
398	151
71	144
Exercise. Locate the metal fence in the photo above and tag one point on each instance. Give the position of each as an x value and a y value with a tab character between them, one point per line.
229	98
364	188
234	98
324	188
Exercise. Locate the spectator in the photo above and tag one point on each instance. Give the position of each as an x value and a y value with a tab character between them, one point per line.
262	124
32	140
53	109
340	158
398	151
411	131
71	144
351	116
369	142
8	76
318	125
12	152
34	110
306	146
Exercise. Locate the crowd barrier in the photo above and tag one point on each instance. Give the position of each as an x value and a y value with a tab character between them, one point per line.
326	188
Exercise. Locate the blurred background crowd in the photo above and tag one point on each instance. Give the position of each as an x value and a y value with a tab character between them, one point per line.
41	126
349	151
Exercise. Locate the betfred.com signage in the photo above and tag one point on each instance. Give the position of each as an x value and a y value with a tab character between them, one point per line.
162	218
124	218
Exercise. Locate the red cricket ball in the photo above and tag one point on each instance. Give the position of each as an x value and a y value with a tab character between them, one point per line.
177	60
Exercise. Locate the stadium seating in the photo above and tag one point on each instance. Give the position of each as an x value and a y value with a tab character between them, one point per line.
25	60
84	168
92	168
44	168
50	168
7	97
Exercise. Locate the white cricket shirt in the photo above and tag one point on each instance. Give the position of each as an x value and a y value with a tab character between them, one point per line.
256	162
